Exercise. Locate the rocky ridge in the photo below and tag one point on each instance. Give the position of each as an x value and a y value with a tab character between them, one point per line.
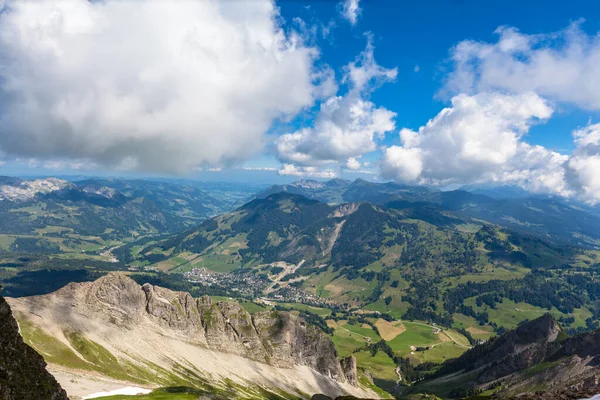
23	374
163	332
276	338
534	361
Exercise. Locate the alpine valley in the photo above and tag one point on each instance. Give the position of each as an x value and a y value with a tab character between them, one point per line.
330	288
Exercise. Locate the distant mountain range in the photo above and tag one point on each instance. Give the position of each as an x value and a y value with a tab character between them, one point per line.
49	215
412	262
550	218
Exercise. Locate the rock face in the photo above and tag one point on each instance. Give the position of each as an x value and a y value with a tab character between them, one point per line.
23	374
511	352
529	357
349	369
584	389
280	339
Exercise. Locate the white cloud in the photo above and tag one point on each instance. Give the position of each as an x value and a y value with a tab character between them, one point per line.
73	165
313	172
479	139
259	169
402	164
583	167
364	74
149	85
562	66
416	68
346	126
353	164
351	10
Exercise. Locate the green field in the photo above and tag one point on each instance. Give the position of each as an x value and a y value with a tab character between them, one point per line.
214	262
351	339
483	332
381	367
348	338
322	312
509	314
441	352
160	394
417	334
253	307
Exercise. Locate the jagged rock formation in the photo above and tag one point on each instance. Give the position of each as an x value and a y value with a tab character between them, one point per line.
581	390
535	356
277	338
349	369
127	320
23	374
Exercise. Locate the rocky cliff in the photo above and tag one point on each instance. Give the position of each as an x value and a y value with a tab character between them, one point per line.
534	361
276	338
194	338
23	374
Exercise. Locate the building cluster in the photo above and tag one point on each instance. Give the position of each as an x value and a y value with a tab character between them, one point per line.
252	285
246	285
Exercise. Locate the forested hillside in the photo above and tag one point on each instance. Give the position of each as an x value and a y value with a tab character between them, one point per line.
431	266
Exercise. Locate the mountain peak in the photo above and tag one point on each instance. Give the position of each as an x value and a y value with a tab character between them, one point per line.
541	330
117	295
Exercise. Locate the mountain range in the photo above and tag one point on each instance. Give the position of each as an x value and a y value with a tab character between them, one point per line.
393	275
433	266
547	217
53	215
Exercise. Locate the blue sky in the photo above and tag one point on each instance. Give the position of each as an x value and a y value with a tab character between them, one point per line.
408	34
258	90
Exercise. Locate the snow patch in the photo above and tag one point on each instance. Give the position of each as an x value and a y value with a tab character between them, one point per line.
126	391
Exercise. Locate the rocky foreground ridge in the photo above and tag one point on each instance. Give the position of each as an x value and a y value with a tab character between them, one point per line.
281	339
23	374
162	332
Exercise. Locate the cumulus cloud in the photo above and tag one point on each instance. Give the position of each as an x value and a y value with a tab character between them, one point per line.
353	164
351	11
313	172
562	66
479	138
346	126
147	84
583	167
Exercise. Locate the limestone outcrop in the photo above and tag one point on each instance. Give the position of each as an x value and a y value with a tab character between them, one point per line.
277	338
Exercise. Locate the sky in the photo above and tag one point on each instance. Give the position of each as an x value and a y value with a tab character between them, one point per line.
438	93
